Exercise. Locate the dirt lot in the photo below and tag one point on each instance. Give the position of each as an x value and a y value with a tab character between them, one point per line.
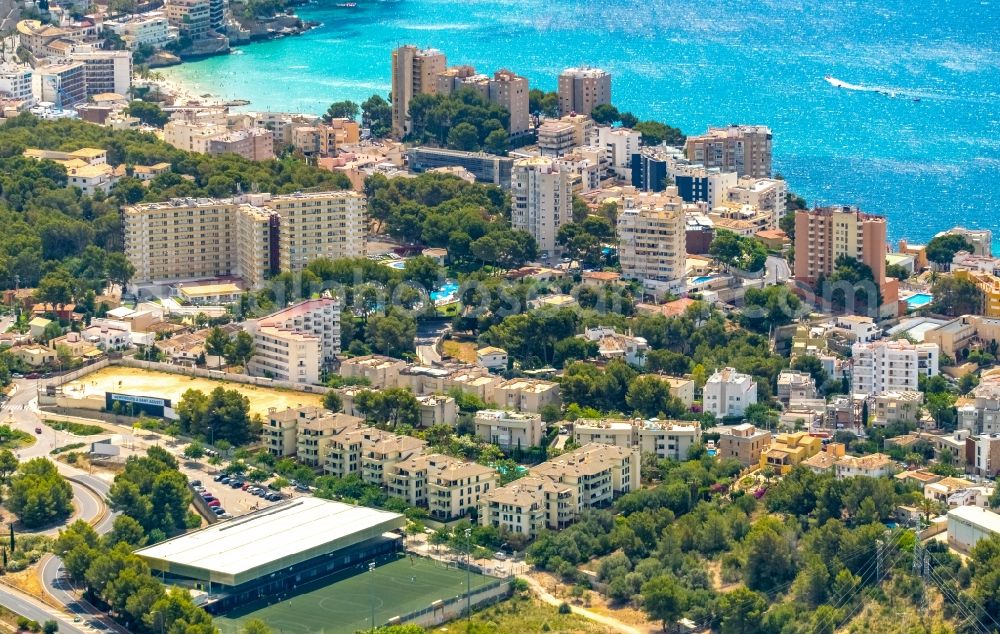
139	382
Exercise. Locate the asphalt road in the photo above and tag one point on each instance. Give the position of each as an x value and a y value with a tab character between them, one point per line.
37	611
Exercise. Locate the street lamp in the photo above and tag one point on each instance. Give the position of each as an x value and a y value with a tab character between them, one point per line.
468	574
371	590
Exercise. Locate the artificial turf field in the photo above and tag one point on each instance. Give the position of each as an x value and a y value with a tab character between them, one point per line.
340	604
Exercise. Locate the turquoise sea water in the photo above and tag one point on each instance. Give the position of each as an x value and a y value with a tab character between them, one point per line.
926	164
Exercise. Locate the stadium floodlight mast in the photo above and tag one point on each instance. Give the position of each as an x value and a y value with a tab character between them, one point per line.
468	574
371	590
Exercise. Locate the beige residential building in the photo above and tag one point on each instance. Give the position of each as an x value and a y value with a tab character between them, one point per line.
380	371
192	18
279	435
446	486
296	343
795	386
744	149
319	225
414	72
680	387
509	430
437	409
325	139
510	91
876	465
314	433
743	442
527	506
192	136
254	144
526	395
542	201
582	89
557	137
895	407
665	439
597	474
250	236
651	233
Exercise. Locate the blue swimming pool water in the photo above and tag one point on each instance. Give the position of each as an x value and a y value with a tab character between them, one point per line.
919	300
447	291
701	279
397	264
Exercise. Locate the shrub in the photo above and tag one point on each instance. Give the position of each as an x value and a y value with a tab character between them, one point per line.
564	608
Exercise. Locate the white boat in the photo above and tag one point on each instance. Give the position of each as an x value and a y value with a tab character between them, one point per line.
833	81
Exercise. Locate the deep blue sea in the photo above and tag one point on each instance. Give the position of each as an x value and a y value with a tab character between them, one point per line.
927	154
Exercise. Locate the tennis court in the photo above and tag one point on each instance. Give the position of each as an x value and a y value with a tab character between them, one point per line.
342	604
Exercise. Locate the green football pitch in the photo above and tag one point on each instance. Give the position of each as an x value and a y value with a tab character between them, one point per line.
342	603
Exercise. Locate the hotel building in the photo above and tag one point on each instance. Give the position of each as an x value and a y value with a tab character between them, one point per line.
296	343
651	233
249	236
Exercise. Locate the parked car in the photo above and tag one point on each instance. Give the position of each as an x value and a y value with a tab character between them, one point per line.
195	483
246	486
200	489
225	480
38	430
502	556
236	484
274	497
219	477
212	503
208	497
301	487
218	510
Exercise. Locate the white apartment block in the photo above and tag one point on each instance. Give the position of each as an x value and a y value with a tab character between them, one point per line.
666	439
876	465
582	89
619	145
15	83
542	201
891	366
250	236
528	506
509	430
728	393
491	358
863	329
651	234
296	343
146	29
192	136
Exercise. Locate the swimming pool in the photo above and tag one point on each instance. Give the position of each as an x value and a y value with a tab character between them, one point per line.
701	279
919	300
446	293
399	265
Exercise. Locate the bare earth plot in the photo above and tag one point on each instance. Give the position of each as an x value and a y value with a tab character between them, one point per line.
140	382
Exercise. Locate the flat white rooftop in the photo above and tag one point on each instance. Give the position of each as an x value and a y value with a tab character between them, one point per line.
239	550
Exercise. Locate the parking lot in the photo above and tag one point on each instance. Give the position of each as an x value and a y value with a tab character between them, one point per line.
236	501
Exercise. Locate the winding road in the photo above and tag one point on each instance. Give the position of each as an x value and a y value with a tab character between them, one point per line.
89	493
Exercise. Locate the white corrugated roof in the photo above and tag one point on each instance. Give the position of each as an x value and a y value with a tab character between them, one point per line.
257	539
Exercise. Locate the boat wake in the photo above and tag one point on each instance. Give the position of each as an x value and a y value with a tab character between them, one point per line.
882	90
